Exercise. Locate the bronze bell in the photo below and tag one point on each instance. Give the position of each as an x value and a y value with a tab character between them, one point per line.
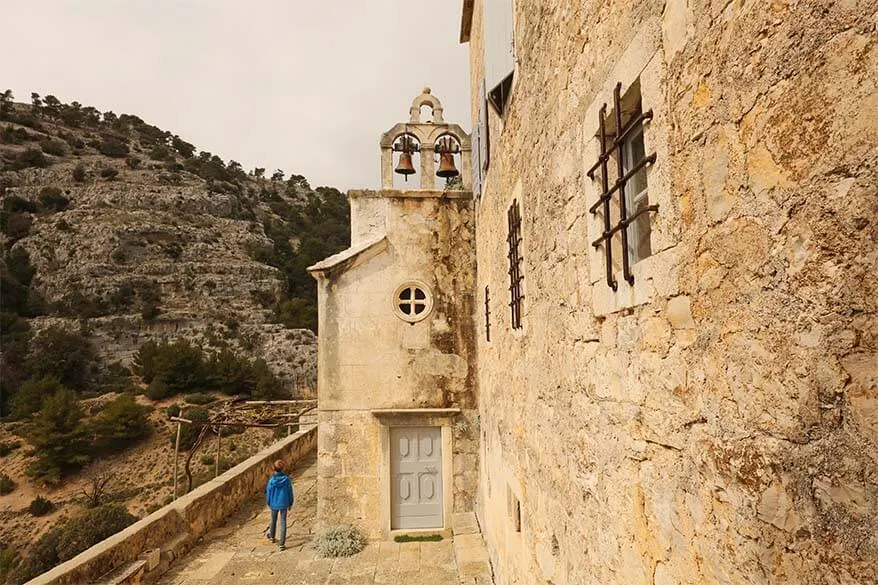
446	166
405	166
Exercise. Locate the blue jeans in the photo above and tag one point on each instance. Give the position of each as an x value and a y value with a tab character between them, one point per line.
283	526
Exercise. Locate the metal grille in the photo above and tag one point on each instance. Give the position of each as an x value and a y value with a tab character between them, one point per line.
515	277
614	148
487	314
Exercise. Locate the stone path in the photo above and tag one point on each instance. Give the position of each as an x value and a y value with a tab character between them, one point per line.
238	553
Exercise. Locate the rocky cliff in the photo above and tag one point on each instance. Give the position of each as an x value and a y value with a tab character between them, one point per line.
134	237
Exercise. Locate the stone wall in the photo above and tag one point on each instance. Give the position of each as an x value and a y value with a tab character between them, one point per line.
371	359
722	426
145	550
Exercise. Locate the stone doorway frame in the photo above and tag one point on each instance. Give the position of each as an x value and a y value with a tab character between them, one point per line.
416	417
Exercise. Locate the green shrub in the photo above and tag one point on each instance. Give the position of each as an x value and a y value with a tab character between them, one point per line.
6	484
121	423
53	199
339	541
92	527
11	135
40	506
31	157
132	162
30	396
199	399
79	174
150	311
79	305
119	255
52	147
208	459
114	147
59	440
109	173
173	250
16	204
42	556
7	448
123	296
66	541
115	377
15	225
160	153
173	410
158	390
66	355
8	562
417	538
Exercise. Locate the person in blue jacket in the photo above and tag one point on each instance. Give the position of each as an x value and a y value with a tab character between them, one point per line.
279	496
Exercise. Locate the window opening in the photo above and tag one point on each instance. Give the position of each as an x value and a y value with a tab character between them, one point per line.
499	96
515	276
513	508
624	142
412	302
426	114
637	201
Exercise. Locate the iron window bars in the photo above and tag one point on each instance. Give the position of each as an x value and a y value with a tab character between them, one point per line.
607	191
487	314
412	300
515	277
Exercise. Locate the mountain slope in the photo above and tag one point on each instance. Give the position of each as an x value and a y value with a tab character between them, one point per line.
137	235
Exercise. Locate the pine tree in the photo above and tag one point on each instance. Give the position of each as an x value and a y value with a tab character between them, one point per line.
58	437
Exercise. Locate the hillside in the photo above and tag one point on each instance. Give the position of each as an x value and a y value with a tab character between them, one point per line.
121	243
134	235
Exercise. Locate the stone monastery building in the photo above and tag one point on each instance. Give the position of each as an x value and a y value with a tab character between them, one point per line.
638	337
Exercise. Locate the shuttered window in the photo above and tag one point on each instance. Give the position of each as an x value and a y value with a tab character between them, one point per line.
481	150
498	35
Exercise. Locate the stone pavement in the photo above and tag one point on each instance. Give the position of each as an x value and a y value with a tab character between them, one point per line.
238	552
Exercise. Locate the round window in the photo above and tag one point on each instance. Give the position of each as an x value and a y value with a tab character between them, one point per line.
412	302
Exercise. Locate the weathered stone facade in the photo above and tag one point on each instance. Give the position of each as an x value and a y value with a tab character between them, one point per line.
717	421
378	371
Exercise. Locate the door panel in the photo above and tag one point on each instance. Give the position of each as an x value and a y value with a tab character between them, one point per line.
416	477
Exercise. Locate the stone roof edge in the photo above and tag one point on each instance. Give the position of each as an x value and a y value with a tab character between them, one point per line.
346	258
410	194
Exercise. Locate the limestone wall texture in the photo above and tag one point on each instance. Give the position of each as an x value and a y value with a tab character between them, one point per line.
722	426
143	552
370	359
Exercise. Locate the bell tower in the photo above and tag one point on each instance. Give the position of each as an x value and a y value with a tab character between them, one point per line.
396	358
425	140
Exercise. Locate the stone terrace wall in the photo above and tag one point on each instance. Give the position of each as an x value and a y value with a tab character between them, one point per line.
725	429
145	550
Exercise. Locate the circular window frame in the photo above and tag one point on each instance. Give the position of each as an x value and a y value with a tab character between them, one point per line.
427	301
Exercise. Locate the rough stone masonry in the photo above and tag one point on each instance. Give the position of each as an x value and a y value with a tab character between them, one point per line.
716	421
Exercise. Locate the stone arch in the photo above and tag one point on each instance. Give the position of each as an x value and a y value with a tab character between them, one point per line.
426	99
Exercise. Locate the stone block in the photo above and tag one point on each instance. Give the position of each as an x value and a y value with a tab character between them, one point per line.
679	312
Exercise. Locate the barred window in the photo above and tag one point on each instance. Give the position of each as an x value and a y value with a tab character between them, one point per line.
515	276
624	199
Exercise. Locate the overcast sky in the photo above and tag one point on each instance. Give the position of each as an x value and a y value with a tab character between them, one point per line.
303	85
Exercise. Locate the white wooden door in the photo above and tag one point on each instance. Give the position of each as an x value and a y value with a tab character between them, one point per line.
416	477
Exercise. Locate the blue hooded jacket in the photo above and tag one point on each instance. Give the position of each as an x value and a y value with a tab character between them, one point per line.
279	492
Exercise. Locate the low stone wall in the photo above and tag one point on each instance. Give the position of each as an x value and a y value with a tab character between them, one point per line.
145	550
